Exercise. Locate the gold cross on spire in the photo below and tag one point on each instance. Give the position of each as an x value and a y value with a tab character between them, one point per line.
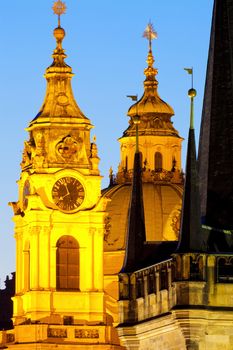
150	33
59	8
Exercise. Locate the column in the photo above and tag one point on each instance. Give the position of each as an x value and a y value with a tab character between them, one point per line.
98	259
34	257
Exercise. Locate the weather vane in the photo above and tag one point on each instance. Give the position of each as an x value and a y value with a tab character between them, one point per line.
149	33
190	71
59	8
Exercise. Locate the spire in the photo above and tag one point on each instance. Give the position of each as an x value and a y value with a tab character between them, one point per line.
155	121
59	103
190	219
59	135
216	141
136	232
151	106
150	72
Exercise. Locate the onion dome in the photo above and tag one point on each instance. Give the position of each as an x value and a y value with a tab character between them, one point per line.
155	114
150	103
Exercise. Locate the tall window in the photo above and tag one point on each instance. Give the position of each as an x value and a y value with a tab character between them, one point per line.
158	161
67	263
126	163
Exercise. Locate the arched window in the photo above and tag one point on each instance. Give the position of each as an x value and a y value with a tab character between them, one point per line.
67	263
158	161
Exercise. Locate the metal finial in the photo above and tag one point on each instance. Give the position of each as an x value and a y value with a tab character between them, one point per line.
133	97
136	120
191	93
149	33
190	71
59	8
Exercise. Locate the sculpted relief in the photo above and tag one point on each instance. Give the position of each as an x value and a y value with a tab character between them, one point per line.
71	149
151	124
68	149
33	153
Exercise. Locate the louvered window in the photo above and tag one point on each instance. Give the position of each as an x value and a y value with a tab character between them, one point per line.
67	264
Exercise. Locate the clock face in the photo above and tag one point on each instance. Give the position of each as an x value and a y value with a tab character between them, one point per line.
26	192
68	193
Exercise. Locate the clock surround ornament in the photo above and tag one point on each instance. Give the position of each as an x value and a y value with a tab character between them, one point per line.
68	193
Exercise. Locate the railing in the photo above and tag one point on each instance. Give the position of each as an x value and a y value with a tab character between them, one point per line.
147	292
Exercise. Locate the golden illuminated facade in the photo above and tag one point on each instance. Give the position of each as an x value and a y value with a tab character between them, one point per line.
133	266
59	225
70	244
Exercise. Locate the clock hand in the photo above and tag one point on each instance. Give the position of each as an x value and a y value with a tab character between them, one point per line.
67	193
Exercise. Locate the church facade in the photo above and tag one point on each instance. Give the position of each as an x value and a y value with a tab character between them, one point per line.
146	263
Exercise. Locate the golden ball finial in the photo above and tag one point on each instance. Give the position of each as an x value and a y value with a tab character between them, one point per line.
59	33
136	119
192	92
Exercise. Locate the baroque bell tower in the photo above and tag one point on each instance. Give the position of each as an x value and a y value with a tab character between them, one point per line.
159	141
59	224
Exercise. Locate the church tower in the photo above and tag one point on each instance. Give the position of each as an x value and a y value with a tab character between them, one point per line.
160	157
160	183
159	141
59	225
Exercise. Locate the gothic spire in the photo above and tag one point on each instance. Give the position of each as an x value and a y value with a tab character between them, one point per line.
216	140
190	219
136	232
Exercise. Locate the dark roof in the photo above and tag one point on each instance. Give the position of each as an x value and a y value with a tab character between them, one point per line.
216	136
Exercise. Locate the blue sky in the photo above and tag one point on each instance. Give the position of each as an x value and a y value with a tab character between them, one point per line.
106	50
